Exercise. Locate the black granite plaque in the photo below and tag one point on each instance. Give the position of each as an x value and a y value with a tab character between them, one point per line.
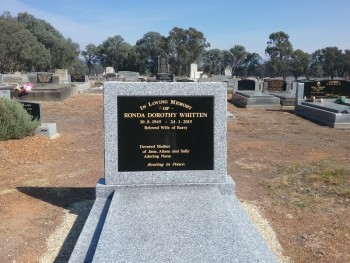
276	85
327	88
246	84
77	78
165	133
32	108
44	78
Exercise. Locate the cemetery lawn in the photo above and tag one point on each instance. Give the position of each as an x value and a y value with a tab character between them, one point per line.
297	173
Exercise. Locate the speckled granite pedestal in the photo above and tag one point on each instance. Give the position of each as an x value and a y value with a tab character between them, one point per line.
168	213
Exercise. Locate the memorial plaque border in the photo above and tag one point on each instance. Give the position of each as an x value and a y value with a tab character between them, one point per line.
111	93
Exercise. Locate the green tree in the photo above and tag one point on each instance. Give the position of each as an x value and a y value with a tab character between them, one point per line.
189	45
331	59
299	63
114	52
315	67
280	51
63	51
148	48
250	64
19	49
213	61
346	63
90	55
133	61
235	57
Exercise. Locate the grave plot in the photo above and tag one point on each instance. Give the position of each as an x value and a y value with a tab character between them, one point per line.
325	102
166	195
246	93
278	88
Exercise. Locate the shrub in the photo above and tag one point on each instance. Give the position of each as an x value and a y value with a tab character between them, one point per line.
15	122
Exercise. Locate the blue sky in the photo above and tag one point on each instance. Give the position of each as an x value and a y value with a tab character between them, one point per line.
310	24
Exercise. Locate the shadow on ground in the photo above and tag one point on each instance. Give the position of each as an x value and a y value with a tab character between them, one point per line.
78	201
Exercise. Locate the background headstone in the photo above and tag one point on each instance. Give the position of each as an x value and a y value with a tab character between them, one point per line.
163	73
44	77
246	84
63	74
228	71
33	108
109	70
276	85
78	78
327	88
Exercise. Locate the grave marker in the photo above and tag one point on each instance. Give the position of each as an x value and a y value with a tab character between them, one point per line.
78	78
44	78
327	88
246	84
174	122
276	85
33	108
157	133
163	73
63	75
228	71
325	108
143	212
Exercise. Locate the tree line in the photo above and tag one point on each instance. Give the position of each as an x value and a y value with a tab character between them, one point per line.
30	44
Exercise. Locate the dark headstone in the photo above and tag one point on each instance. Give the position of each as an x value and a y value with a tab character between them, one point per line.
77	78
163	65
33	108
246	84
327	88
163	74
44	77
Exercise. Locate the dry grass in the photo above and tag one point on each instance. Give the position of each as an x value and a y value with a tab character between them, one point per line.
317	197
309	184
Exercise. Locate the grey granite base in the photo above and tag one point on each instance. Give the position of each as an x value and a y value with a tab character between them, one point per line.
287	99
256	100
324	113
49	93
170	224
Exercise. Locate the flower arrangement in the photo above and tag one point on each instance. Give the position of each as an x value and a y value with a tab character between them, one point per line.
24	88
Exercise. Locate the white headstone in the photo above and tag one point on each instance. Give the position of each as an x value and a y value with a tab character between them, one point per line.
63	75
110	70
194	68
228	71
